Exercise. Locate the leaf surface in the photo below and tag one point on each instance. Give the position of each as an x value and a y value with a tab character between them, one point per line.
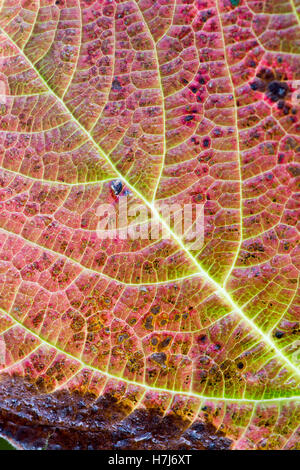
170	102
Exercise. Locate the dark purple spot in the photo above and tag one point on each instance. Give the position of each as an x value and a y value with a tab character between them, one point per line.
279	334
116	85
206	142
280	104
266	74
201	80
202	338
277	91
257	85
160	358
116	186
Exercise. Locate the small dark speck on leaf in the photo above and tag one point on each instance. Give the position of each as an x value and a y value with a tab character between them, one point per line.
155	310
116	85
254	86
160	358
277	90
202	338
116	186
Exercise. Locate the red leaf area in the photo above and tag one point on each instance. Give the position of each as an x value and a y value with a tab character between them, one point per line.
139	343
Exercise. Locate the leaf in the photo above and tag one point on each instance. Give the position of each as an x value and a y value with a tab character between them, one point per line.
138	343
5	445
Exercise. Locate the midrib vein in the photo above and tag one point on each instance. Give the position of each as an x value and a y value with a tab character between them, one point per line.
219	289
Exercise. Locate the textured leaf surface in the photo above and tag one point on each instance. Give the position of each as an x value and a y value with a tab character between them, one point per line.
142	343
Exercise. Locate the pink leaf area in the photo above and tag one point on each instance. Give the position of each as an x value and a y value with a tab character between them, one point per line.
139	342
